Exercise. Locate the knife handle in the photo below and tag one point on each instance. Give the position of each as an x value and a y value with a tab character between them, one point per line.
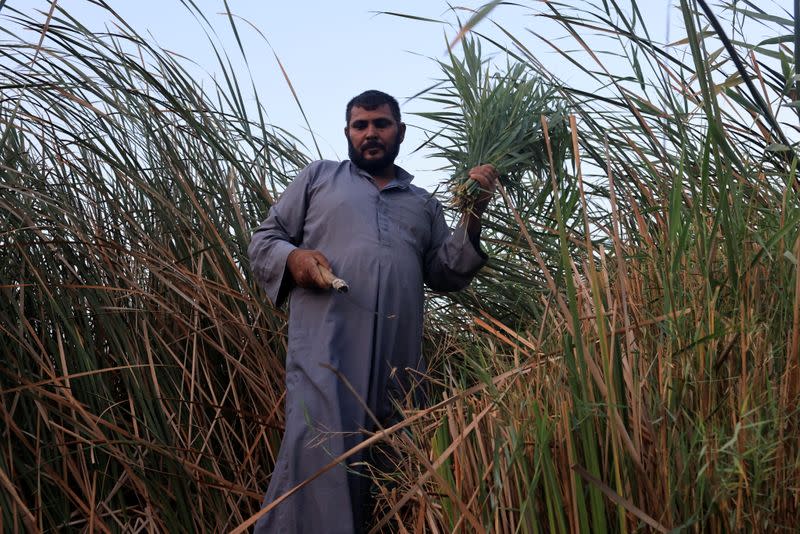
336	283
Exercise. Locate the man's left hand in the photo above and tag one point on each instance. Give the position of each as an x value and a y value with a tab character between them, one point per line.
486	176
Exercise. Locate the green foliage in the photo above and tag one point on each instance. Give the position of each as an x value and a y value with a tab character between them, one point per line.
493	117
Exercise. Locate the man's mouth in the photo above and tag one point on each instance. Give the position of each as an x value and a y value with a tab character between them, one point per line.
372	149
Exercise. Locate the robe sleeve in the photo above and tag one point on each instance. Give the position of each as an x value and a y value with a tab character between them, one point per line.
278	236
452	259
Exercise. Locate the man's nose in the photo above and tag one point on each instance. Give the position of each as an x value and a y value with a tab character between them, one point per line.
372	131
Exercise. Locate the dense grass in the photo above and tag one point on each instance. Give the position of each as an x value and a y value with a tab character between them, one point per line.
655	385
140	378
628	361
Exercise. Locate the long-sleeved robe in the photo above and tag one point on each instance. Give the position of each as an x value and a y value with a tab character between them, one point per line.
385	244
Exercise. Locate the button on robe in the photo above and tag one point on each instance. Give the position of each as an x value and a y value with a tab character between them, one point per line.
385	244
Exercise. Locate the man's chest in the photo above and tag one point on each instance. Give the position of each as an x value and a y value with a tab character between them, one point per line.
357	211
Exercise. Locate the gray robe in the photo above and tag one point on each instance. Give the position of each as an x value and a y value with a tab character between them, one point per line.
385	244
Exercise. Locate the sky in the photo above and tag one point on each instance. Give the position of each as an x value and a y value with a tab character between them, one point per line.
333	50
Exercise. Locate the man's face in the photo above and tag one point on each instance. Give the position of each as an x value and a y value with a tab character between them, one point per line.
373	138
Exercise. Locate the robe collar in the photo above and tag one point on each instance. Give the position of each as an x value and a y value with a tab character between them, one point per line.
401	180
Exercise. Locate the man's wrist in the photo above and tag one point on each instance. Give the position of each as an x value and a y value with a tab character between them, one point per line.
473	224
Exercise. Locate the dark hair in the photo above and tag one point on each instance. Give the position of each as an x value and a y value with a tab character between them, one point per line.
370	100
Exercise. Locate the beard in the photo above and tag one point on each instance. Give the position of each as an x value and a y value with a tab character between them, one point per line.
373	166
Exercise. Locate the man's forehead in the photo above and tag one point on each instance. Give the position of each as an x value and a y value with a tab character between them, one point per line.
363	113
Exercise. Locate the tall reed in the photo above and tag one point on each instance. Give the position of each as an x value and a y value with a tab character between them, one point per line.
140	375
636	368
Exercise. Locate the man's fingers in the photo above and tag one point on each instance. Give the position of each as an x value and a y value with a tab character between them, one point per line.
310	268
322	260
319	270
485	175
314	273
305	265
324	276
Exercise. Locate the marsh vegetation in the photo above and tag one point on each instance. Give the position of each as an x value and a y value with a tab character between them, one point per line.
628	361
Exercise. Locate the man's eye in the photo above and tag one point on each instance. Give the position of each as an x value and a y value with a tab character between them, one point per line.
359	125
381	124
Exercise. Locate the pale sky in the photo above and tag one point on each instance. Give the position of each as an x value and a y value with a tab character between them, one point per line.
333	50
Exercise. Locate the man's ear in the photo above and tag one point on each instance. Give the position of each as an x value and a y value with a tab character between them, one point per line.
346	134
401	133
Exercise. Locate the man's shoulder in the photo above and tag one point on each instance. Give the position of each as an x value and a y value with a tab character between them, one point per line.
324	165
325	168
322	170
423	194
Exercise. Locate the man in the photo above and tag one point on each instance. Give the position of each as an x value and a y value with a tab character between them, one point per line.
363	220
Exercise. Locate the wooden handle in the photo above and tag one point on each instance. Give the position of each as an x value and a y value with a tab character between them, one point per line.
336	283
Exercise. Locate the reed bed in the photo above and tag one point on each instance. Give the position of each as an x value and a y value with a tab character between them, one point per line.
140	375
628	361
632	349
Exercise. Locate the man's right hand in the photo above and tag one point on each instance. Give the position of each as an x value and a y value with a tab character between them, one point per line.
304	267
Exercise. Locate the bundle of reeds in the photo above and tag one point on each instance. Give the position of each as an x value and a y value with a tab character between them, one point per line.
494	116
